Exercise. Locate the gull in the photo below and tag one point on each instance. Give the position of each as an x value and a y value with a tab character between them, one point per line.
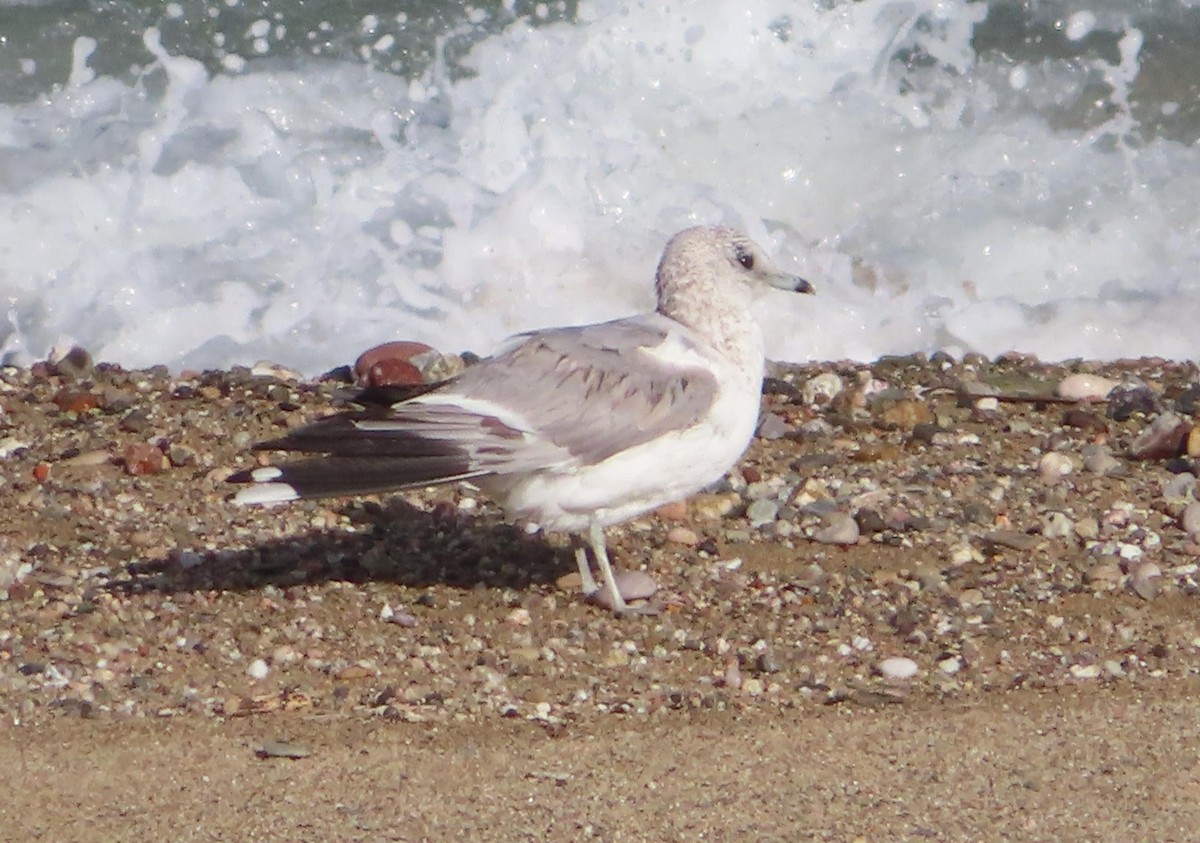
577	428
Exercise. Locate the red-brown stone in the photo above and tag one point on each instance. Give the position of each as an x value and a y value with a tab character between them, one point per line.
142	458
389	364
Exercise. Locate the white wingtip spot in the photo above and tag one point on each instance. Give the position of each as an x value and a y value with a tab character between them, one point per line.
264	493
266	475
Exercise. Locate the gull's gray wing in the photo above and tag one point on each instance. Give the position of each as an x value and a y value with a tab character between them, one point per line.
595	390
552	399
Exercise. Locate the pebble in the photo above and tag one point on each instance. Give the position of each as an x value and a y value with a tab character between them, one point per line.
1165	437
258	669
683	535
714	507
76	401
10	445
1084	387
391	364
1098	460
88	458
392	372
1189	519
632	585
840	529
267	369
898	668
1188	401
1054	466
821	389
964	554
75	364
1084	420
869	522
817	428
674	511
977	389
970	598
1087	528
906	414
142	458
951	665
762	512
1145	578
773	427
1056	525
405	364
181	455
1127	400
1105	573
760	491
522	617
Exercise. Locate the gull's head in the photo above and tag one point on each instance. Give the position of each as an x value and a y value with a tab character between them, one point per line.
716	262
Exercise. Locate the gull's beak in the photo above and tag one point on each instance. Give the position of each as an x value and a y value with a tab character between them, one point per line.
792	284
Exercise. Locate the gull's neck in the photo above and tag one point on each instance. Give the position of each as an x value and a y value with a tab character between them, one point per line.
719	313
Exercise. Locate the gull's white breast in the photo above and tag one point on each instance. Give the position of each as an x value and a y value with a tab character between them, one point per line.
572	497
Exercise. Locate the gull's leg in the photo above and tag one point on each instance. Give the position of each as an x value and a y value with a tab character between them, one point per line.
585	570
600	551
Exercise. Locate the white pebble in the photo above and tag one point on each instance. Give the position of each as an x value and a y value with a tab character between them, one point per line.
898	668
10	445
951	665
1054	466
1129	551
822	388
258	669
842	529
1084	387
964	553
1056	525
519	617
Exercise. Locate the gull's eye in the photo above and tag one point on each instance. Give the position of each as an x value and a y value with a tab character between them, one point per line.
745	258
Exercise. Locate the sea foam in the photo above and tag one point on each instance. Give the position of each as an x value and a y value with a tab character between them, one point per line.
938	193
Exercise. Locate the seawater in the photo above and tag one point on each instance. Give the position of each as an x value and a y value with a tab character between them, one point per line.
202	184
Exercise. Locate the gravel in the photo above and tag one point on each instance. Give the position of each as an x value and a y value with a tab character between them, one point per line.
882	511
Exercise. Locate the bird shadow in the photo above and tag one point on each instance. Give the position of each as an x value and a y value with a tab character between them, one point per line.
392	541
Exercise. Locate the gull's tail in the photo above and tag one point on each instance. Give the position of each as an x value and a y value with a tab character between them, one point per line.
328	477
364	454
